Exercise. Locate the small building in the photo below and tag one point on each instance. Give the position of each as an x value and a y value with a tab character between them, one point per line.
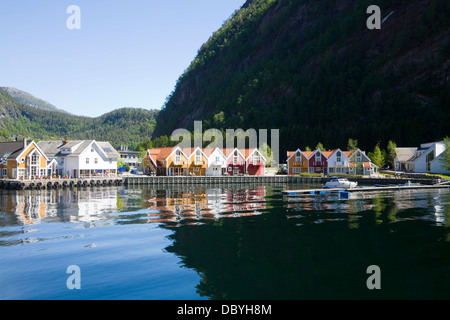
402	155
236	164
255	162
23	160
130	158
197	161
169	161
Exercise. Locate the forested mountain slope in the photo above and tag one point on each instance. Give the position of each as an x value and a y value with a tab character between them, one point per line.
313	69
126	126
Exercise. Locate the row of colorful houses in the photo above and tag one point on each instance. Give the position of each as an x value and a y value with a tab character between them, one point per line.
330	162
177	161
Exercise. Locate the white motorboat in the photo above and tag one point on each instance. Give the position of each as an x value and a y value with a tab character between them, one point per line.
340	183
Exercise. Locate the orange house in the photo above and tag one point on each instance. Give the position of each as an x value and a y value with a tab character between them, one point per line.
297	161
22	160
167	161
197	161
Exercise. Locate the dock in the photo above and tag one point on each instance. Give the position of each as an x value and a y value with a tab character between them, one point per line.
46	184
363	189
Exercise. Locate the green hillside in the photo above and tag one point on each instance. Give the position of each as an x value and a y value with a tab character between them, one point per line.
122	126
312	69
30	100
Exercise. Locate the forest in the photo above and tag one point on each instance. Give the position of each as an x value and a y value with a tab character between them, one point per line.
313	70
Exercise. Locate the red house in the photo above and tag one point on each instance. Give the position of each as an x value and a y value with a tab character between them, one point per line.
235	161
255	162
318	161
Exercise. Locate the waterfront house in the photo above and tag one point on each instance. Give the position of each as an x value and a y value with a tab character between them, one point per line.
339	162
318	162
236	163
169	161
360	164
197	161
426	158
217	162
255	162
297	161
402	155
22	160
81	158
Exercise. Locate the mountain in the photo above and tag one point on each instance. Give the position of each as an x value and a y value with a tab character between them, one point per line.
30	100
125	126
314	70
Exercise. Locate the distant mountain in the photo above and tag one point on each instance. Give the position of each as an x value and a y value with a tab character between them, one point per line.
313	69
127	126
30	100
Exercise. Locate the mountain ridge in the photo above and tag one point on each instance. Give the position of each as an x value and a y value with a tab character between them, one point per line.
127	126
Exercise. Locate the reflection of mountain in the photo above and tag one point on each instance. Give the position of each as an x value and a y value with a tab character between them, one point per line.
271	257
84	205
193	206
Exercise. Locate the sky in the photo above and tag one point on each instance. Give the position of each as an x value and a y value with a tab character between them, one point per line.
125	54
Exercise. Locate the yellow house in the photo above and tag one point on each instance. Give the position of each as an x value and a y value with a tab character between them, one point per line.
197	161
297	161
22	160
167	161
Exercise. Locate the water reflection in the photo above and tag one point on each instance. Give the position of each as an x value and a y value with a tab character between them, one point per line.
194	206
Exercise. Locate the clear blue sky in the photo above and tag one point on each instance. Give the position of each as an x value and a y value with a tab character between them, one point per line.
126	54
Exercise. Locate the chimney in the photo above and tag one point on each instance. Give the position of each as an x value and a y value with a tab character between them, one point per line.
66	140
24	143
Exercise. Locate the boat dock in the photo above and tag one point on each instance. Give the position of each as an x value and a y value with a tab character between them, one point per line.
363	189
43	184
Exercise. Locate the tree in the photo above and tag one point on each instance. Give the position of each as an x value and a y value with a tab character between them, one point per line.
376	156
445	157
352	144
267	153
391	153
320	146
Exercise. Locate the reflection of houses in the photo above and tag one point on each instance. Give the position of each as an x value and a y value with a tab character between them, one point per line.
22	160
29	207
81	158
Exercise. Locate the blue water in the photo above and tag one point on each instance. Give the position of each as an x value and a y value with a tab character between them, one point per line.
222	243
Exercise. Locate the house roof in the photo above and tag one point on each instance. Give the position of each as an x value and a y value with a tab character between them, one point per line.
404	154
53	148
10	149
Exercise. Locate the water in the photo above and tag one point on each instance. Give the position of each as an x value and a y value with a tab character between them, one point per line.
242	242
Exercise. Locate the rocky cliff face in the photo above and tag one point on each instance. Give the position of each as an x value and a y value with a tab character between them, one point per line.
315	71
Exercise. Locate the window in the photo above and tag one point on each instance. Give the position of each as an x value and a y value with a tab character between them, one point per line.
338	156
96	160
92	149
217	159
4	172
178	156
34	159
198	156
296	170
358	156
87	160
235	158
298	157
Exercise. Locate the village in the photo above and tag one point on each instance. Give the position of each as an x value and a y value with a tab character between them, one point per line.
78	159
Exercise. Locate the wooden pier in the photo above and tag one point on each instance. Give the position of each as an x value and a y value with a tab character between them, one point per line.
43	184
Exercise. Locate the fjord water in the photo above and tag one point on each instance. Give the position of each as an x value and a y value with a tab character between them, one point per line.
234	242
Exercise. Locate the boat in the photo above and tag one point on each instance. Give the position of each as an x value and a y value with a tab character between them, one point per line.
340	183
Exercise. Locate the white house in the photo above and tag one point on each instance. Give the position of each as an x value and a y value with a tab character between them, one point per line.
81	158
339	162
217	162
425	158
